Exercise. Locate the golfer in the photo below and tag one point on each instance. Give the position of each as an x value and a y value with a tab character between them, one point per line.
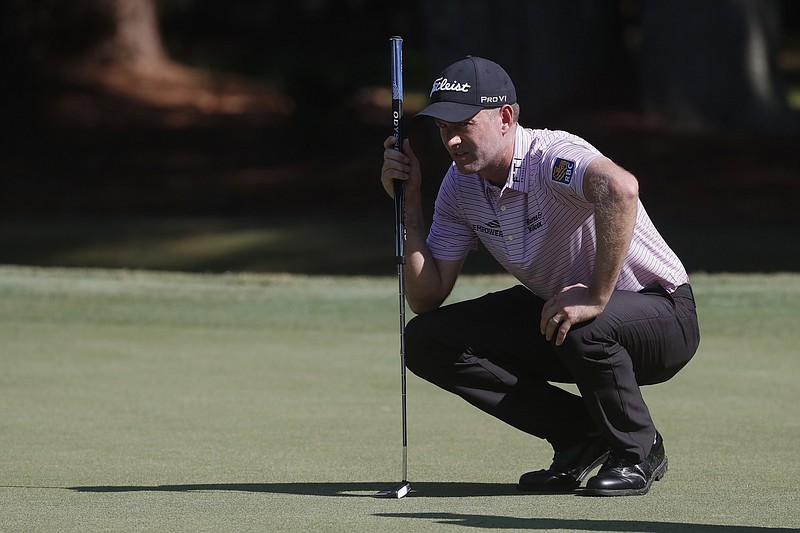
603	302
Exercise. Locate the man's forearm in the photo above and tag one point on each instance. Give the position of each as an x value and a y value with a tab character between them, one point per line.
615	196
614	234
425	289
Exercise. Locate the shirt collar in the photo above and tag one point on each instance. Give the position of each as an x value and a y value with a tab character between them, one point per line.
518	173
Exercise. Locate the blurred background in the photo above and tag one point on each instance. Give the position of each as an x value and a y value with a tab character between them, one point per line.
228	136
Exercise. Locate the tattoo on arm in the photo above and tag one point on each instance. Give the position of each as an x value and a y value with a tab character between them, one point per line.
614	193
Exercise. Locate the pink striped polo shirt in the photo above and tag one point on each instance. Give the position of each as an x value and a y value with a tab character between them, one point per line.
539	226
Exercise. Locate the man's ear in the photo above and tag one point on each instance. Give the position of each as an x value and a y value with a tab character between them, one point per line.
507	116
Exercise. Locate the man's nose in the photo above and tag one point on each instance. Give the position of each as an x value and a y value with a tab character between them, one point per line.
453	140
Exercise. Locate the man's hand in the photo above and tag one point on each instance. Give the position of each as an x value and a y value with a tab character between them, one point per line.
400	166
573	305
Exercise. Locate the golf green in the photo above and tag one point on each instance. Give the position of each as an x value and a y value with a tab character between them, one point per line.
148	401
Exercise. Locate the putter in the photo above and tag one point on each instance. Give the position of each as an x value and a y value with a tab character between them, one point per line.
399	246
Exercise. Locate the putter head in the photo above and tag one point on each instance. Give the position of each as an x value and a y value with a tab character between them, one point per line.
395	492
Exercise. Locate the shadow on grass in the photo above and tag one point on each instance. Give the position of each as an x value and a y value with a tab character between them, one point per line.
510	522
367	489
442	490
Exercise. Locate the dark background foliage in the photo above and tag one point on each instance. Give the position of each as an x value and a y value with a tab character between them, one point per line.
123	116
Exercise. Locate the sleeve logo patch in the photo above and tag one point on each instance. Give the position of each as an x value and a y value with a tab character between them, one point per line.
562	170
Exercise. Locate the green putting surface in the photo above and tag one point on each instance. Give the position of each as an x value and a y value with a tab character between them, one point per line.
149	401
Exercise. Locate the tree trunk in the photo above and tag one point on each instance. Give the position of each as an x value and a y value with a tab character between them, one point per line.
47	32
135	36
713	63
102	62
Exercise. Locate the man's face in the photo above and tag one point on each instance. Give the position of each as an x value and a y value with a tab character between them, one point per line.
476	145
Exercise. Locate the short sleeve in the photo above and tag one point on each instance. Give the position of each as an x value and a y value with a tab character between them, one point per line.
564	163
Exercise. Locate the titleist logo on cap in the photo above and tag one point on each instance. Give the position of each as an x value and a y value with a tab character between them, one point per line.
466	87
443	84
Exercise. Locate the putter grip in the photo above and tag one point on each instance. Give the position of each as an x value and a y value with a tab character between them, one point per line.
397	91
397	132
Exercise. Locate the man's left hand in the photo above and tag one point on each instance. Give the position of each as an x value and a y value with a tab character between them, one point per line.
573	305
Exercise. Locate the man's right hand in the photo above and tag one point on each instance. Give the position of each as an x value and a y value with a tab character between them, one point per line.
402	166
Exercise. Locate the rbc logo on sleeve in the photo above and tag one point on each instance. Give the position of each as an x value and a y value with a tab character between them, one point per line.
562	170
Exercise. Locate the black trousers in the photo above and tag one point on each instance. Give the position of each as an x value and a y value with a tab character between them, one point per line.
490	352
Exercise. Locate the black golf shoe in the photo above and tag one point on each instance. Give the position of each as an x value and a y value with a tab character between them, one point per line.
618	477
568	469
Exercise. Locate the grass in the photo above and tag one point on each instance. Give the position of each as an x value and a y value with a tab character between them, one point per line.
321	243
240	402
